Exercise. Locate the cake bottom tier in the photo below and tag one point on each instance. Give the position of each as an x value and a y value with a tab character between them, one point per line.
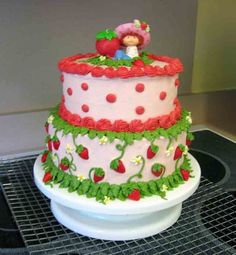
119	159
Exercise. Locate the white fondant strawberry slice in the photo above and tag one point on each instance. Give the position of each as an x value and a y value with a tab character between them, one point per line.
158	169
82	151
99	175
117	165
152	151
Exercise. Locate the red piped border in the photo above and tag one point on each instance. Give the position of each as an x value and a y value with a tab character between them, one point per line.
69	65
164	121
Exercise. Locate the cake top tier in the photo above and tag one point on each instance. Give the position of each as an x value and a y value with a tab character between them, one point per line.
119	56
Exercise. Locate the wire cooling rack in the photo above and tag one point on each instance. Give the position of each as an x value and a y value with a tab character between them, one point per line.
206	225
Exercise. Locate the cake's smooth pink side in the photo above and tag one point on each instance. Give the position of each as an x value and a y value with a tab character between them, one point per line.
102	155
92	99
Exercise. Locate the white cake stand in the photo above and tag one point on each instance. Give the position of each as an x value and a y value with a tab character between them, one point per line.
117	220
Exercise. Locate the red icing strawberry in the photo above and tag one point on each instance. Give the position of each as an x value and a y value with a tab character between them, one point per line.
178	151
143	26
189	139
98	175
107	43
134	195
56	142
46	127
117	165
152	151
82	151
49	144
158	169
47	177
44	157
65	164
139	62
185	174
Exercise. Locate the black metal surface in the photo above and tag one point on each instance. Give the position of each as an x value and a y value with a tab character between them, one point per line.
205	226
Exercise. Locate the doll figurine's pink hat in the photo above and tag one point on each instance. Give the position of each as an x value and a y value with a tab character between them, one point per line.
137	27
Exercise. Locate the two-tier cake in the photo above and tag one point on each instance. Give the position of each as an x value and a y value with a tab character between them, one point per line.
119	131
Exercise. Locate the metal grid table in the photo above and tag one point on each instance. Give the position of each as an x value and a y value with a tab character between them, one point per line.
206	226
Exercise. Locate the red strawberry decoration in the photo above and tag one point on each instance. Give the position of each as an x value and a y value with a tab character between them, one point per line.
189	139
65	164
107	43
98	175
152	151
139	62
46	126
49	144
82	151
134	195
158	169
143	26
185	174
56	142
179	151
44	157
118	166
47	177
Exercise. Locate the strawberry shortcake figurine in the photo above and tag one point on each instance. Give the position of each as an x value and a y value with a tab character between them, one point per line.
133	37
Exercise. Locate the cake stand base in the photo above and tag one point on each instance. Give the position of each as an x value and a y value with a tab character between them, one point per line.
117	220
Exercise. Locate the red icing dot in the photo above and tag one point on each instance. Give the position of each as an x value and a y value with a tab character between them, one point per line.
85	108
62	78
84	86
139	87
177	83
162	95
139	110
111	98
69	91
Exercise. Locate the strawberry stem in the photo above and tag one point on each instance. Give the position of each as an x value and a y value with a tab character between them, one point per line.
169	143
139	174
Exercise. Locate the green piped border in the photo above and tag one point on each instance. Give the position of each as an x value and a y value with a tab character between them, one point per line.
129	137
100	191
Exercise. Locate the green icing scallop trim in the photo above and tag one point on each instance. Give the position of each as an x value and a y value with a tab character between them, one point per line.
129	137
98	61
114	191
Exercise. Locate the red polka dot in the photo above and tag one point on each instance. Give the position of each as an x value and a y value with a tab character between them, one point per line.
177	83
111	98
62	78
84	86
162	95
85	108
175	101
69	91
139	110
139	87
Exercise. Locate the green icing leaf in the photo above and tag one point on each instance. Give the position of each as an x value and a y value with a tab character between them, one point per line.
106	34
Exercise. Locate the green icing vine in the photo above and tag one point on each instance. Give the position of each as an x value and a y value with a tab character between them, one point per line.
102	190
129	137
139	174
116	164
98	61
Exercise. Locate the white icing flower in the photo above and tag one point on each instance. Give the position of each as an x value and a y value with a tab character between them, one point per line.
189	118
147	29
137	160
169	151
50	119
185	151
102	58
164	188
70	148
81	177
106	200
54	157
137	23
162	137
103	140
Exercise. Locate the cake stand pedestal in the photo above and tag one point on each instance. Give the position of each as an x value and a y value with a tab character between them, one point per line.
117	220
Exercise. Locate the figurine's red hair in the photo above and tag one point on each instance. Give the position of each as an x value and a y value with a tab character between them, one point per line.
140	38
